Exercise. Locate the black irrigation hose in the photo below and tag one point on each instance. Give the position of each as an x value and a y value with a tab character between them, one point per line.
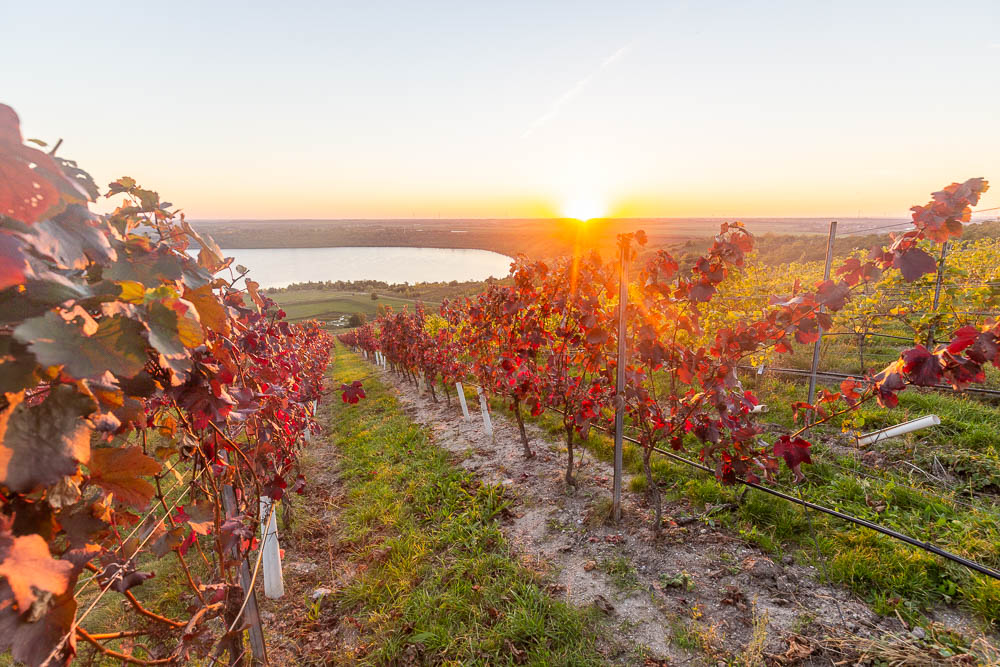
926	546
844	376
961	560
868	334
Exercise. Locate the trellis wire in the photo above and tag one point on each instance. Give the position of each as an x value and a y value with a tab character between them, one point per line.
871	525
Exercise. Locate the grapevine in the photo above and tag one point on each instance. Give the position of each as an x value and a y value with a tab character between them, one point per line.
150	397
549	340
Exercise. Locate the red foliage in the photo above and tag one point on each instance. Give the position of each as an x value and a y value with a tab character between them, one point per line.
128	369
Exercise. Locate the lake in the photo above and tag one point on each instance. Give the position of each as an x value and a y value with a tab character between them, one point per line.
278	267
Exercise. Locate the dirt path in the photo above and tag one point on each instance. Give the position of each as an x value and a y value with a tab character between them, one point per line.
695	595
299	629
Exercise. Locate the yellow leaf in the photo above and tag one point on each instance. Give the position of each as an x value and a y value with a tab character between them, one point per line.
132	291
211	311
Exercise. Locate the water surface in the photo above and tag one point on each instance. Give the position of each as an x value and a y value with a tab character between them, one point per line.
278	267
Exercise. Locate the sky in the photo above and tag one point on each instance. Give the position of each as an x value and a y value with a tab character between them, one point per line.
430	109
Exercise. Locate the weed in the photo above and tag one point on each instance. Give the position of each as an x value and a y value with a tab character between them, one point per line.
622	573
681	580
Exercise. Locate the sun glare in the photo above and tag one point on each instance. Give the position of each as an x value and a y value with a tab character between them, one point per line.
584	207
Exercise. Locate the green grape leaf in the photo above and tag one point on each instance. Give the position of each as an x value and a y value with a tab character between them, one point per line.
40	444
116	344
71	239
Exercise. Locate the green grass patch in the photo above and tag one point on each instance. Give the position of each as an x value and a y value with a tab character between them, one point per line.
329	304
438	575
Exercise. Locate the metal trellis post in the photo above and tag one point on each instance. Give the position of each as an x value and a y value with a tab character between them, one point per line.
937	290
620	387
819	341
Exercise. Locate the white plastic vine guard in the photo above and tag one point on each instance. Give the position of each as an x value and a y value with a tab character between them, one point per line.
461	400
485	409
899	429
274	584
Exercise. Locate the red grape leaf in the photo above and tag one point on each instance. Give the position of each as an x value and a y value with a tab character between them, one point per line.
889	382
352	393
923	367
832	295
120	470
42	443
24	194
914	263
31	182
984	349
200	516
795	452
701	292
963	338
13	267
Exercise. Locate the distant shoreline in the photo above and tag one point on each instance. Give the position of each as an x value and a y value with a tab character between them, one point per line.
535	237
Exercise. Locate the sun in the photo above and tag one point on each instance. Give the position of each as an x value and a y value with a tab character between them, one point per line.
583	207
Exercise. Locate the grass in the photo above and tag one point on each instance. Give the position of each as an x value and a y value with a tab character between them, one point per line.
436	574
622	573
329	304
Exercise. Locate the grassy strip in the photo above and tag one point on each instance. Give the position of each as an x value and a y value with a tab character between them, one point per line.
436	576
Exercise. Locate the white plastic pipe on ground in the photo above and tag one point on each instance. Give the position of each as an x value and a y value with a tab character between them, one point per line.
485	409
461	399
274	584
899	429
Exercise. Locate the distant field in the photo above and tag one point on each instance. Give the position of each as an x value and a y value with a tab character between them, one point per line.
537	238
329	305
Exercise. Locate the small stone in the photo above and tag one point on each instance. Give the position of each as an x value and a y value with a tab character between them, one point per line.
762	568
321	592
589	565
918	633
602	603
784	585
788	559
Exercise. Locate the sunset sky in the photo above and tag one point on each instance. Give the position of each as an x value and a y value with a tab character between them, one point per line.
515	109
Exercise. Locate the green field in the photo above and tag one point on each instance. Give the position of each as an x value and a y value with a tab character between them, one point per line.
329	305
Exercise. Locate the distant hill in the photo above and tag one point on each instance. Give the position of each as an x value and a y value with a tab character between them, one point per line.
539	238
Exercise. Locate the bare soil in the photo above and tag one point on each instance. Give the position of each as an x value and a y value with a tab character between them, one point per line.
303	627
